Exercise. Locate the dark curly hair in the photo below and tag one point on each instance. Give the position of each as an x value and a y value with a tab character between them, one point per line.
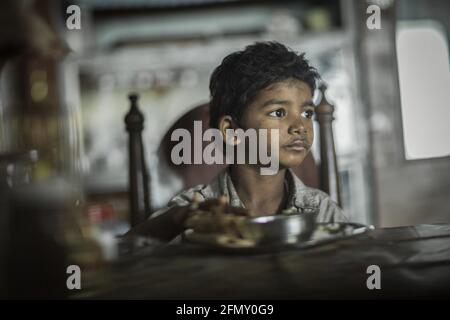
235	83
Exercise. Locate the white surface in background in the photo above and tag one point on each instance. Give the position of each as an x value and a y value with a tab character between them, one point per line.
423	66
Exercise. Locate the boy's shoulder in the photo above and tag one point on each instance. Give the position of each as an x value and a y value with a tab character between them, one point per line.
308	197
205	191
184	198
320	202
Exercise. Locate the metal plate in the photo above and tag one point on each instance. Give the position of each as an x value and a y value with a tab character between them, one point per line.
323	233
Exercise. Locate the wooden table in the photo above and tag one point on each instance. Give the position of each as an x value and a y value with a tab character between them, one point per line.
414	262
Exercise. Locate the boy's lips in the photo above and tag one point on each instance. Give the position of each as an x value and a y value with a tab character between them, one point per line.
297	145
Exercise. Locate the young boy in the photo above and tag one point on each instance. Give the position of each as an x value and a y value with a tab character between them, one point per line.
265	86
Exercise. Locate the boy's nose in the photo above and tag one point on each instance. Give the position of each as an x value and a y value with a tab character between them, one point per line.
297	127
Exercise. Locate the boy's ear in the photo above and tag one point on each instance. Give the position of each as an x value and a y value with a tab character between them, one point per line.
226	123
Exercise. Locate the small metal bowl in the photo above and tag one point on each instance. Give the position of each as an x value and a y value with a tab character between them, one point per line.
280	229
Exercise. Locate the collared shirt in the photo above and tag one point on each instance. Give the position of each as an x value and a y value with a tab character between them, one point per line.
301	199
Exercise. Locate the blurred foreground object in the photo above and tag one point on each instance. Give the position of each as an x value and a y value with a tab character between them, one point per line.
41	197
37	258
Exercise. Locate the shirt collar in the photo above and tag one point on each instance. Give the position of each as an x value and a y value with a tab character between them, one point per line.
226	187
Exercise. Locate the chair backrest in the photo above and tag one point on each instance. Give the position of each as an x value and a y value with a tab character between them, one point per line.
329	173
138	179
324	177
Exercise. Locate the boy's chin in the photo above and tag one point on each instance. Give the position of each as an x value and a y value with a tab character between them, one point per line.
291	162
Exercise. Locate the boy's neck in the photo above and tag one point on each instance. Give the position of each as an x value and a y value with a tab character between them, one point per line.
263	195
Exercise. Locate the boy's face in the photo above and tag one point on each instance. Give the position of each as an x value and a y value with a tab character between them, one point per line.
286	106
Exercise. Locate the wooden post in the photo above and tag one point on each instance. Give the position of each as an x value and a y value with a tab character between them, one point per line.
138	177
329	174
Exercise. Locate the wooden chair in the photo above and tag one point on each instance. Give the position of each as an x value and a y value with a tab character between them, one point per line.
138	182
329	173
324	177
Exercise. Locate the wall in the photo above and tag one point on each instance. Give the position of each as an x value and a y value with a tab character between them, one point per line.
405	192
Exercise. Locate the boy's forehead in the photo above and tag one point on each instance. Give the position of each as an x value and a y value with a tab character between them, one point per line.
289	83
300	88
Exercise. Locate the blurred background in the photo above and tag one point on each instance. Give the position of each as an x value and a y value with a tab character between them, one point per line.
67	68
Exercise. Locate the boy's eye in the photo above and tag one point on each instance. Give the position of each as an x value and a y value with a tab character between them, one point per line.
308	114
278	113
